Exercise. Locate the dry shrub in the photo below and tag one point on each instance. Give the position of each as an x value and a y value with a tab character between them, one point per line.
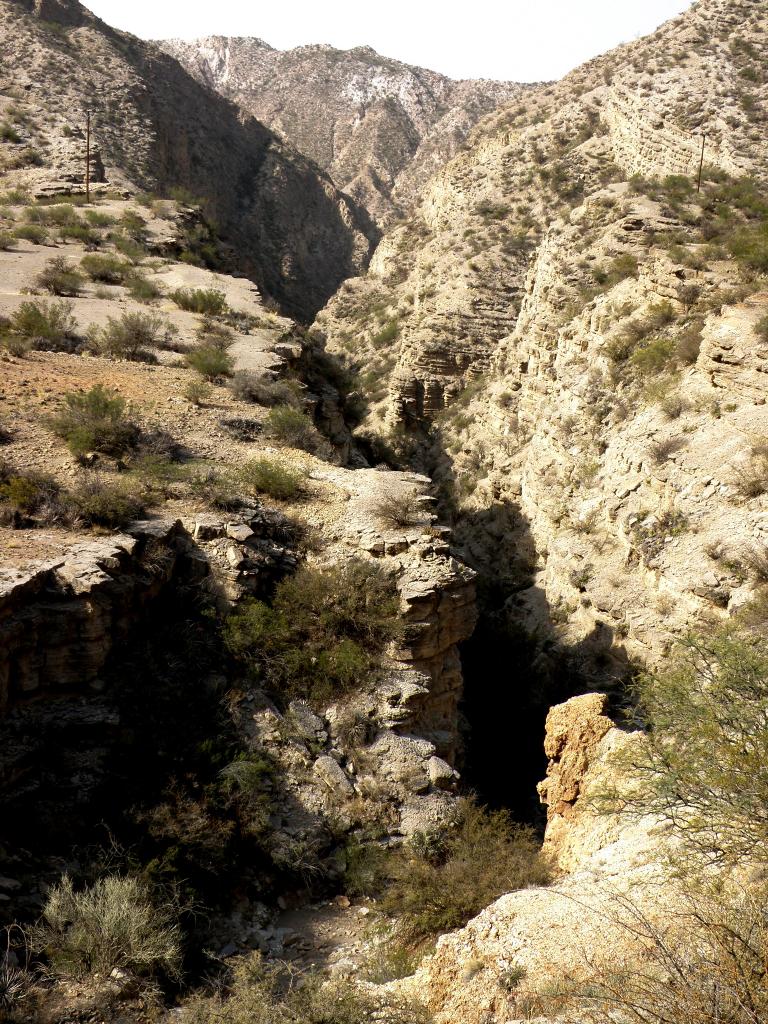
400	509
112	924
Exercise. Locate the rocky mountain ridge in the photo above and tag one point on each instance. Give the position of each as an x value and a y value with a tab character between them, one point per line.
492	318
156	130
380	128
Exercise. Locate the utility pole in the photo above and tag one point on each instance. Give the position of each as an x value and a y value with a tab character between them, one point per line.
701	161
88	156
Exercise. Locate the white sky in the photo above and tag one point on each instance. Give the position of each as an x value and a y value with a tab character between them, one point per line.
521	40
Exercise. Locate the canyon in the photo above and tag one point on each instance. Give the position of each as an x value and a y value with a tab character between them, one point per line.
437	421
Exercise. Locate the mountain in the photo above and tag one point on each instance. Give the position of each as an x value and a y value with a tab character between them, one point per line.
158	129
380	128
557	328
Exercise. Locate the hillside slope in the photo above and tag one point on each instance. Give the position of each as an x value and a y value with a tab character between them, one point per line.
535	332
157	129
380	128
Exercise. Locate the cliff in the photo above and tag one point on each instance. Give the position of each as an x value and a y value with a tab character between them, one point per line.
503	329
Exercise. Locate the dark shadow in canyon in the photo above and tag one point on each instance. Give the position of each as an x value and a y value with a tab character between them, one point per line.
516	666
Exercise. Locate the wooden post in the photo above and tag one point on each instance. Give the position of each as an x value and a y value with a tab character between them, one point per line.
88	156
701	161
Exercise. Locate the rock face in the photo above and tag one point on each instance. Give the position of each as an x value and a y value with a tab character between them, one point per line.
489	325
511	957
157	129
59	622
380	128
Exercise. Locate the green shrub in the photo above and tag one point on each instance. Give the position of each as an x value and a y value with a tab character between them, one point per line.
46	324
97	219
293	427
60	277
653	357
34	233
79	233
94	501
387	334
15	345
111	924
130	337
210	362
53	216
24	494
141	288
107	269
8	133
268	476
210	301
134	225
322	635
441	881
701	765
95	421
761	328
198	392
7	240
128	247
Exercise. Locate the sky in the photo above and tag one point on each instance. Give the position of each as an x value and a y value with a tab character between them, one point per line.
519	40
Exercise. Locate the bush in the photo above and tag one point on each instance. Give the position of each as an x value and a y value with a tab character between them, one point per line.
198	392
7	240
701	766
293	427
27	494
32	233
653	357
761	328
95	501
439	882
141	288
210	301
95	421
60	277
107	269
322	635
751	478
132	250
387	334
111	924
131	336
215	335
267	476
400	509
703	963
211	363
49	325
267	993
249	387
665	447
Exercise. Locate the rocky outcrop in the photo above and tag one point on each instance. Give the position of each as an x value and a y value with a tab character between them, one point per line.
158	130
380	128
733	354
512	957
60	621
